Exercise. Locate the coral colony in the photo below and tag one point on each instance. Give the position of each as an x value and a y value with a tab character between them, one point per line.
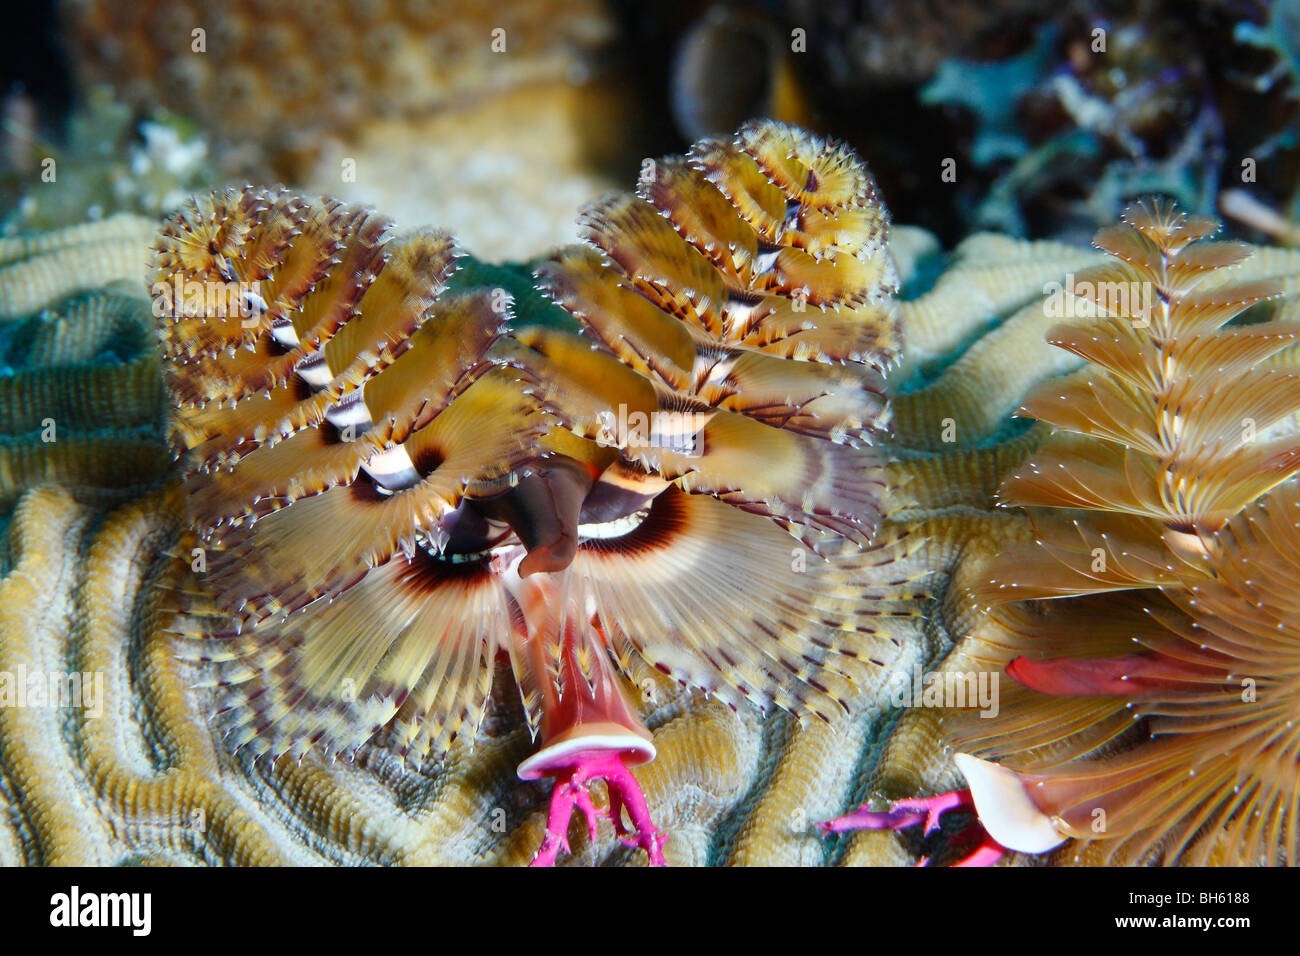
616	512
392	485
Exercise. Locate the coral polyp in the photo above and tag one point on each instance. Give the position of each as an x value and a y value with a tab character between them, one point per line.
392	484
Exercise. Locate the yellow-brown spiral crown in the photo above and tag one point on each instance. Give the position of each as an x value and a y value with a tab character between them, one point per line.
362	447
1160	698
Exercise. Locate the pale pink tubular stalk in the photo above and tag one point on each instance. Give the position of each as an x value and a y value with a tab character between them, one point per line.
590	731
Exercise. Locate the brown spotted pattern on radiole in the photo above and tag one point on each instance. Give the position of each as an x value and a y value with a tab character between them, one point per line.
750	283
332	408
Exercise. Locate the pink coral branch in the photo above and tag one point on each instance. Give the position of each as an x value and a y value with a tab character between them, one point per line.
908	813
571	783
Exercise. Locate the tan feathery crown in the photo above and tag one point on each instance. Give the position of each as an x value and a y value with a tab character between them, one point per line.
1160	697
347	425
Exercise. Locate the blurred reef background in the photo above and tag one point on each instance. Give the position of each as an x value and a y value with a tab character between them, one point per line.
498	120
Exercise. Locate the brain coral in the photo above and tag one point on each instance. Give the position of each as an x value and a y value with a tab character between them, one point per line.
149	781
86	578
